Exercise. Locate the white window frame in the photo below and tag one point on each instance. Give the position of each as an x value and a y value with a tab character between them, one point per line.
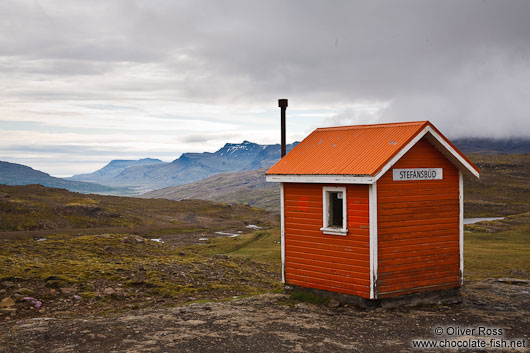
325	211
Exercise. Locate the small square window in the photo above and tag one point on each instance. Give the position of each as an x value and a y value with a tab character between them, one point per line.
334	208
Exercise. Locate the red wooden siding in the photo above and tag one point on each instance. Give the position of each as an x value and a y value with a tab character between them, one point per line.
322	261
418	227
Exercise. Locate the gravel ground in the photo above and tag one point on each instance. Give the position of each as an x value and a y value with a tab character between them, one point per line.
275	323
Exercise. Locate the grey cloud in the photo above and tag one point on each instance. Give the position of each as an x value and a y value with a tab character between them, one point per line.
60	149
201	138
463	64
110	107
66	151
97	30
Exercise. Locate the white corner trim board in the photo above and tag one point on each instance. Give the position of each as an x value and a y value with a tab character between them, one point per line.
461	224
372	204
282	225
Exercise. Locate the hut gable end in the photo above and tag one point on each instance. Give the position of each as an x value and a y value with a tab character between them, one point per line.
418	226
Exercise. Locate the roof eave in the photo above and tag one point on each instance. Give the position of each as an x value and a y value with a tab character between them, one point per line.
320	178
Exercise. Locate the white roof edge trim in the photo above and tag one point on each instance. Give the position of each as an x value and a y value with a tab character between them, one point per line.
415	140
332	179
453	152
401	153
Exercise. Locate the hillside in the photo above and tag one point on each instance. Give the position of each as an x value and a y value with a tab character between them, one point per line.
18	174
91	255
490	145
191	167
248	187
503	187
34	207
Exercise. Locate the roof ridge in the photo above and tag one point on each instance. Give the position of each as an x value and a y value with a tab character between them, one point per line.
368	126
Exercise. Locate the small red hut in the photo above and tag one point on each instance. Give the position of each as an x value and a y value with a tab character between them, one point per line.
374	211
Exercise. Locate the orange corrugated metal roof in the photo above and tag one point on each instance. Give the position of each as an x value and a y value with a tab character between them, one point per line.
350	150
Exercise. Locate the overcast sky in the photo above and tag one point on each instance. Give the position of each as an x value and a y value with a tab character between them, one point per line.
84	82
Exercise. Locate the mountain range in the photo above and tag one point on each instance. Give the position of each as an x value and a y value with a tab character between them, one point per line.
233	173
111	170
151	174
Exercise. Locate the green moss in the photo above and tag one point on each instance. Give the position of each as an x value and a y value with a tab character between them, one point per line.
88	295
308	297
260	246
172	290
91	263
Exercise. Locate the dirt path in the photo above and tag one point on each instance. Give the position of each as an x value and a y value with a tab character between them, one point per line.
274	323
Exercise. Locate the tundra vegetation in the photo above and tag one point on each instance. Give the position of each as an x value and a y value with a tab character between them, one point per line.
93	254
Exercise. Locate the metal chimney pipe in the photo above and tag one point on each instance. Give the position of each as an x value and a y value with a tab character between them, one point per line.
282	103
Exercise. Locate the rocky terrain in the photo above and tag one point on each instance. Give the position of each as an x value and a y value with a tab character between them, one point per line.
278	323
